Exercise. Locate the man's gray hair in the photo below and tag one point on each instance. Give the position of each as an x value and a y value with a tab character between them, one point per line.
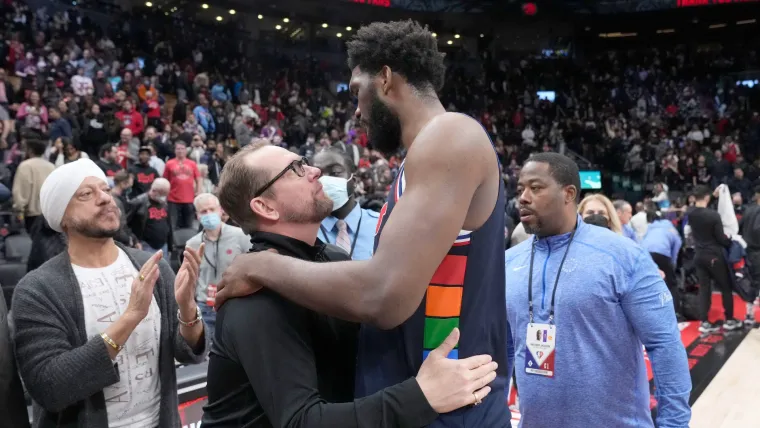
619	204
203	197
159	183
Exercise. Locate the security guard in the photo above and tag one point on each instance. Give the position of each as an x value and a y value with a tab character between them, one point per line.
350	227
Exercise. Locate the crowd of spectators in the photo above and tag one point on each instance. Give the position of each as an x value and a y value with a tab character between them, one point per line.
150	91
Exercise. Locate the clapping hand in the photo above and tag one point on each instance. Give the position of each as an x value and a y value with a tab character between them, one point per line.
187	277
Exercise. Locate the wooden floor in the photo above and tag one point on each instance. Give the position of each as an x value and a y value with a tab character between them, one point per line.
732	399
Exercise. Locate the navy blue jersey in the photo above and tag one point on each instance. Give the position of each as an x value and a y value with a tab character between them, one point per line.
466	291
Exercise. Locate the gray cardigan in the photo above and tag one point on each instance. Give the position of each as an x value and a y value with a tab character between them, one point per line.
64	370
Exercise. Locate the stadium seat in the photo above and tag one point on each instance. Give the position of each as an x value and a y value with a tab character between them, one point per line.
10	274
17	248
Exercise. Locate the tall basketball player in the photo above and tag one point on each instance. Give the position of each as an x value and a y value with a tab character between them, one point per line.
439	245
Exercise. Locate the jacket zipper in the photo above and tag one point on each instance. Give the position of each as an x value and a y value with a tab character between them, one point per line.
543	286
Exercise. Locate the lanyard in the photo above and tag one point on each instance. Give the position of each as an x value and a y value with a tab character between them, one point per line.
214	265
356	235
556	280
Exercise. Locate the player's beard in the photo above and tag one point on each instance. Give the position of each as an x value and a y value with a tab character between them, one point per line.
384	127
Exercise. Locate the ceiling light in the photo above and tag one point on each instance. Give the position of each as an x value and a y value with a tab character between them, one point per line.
261	16
324	25
149	4
456	36
204	5
339	34
232	11
482	35
449	42
218	18
278	27
166	13
435	34
286	20
348	28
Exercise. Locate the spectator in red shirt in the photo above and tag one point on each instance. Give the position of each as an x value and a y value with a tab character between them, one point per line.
130	118
185	181
152	108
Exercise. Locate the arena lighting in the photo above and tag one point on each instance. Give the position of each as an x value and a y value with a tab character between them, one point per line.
666	31
746	21
149	4
449	42
714	26
204	5
278	27
482	35
435	34
218	18
261	16
324	25
348	28
286	20
339	35
232	11
456	36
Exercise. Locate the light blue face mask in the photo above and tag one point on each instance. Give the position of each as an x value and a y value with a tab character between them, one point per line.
210	221
336	188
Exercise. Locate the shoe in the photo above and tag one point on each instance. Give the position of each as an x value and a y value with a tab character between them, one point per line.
731	324
749	320
708	327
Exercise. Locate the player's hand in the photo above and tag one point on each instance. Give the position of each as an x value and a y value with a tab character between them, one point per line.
236	279
451	384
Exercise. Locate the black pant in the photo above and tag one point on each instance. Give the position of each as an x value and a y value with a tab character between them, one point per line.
713	267
181	215
664	263
29	223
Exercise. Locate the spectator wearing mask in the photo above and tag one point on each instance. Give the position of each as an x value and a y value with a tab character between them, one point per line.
108	160
625	213
710	243
142	171
98	328
222	244
130	119
185	181
349	226
664	243
598	204
149	218
27	183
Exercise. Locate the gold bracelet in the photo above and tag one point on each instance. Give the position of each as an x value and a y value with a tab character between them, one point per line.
111	343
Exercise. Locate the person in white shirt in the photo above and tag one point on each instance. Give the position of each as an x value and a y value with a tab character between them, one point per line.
98	327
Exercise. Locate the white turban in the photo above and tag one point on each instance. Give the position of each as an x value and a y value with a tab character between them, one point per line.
59	187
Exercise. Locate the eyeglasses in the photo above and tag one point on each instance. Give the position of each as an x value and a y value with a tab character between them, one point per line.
297	166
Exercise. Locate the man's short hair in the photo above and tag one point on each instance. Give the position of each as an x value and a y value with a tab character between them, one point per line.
238	185
160	182
203	197
121	177
563	169
407	47
105	148
701	192
36	147
619	204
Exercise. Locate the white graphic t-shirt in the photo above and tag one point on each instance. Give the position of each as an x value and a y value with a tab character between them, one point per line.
135	400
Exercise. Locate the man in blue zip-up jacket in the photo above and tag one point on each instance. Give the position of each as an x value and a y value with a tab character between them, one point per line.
580	362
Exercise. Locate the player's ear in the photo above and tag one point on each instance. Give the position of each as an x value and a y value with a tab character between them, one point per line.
386	77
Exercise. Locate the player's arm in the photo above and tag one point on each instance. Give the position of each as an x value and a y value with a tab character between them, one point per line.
650	312
444	168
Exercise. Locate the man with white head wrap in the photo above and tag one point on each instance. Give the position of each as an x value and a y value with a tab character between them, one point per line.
98	327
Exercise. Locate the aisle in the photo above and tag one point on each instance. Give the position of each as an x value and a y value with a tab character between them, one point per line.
731	400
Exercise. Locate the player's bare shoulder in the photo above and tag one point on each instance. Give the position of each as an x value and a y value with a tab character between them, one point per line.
452	137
